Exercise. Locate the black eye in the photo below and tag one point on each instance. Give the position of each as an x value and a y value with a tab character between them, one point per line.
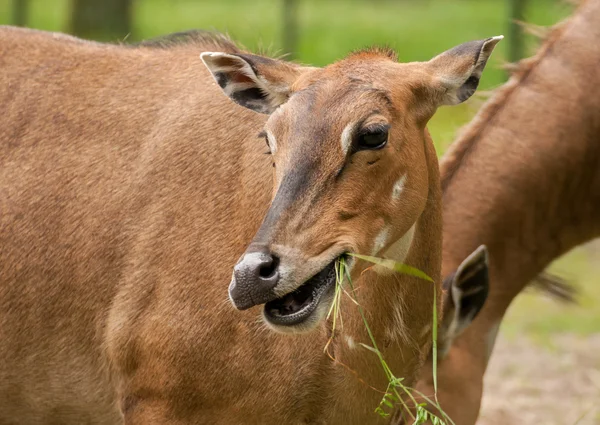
372	138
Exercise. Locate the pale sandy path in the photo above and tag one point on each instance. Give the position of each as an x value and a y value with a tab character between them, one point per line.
529	384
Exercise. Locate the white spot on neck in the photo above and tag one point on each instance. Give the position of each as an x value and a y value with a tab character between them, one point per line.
346	139
398	187
398	251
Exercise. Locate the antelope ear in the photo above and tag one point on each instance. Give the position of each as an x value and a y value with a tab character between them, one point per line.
458	70
466	292
254	82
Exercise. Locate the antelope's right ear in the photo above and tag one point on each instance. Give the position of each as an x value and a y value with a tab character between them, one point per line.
254	82
457	71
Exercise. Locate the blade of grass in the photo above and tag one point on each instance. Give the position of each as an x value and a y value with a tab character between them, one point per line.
335	305
422	414
434	345
395	266
391	393
393	382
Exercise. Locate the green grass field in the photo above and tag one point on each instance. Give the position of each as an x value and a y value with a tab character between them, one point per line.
541	317
418	30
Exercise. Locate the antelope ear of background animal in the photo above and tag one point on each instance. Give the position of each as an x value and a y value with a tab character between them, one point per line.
254	82
467	289
459	69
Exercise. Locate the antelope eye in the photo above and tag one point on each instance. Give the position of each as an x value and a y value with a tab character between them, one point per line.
372	138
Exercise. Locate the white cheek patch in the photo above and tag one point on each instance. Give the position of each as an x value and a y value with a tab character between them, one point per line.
272	141
398	251
381	240
350	342
398	187
346	139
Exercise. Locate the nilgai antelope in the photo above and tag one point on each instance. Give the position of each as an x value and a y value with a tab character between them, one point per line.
132	192
523	178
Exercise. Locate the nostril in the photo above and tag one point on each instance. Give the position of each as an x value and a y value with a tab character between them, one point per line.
269	268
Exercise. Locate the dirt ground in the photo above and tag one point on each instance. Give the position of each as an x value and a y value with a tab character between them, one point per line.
530	383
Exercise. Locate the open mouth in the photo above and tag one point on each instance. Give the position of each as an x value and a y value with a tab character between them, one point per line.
297	306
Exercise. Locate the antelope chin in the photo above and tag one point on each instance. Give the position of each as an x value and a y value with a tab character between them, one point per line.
302	309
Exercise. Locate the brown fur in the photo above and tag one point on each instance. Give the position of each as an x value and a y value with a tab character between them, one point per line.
130	186
524	179
203	40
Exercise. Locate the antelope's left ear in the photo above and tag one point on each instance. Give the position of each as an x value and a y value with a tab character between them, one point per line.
458	70
254	82
466	292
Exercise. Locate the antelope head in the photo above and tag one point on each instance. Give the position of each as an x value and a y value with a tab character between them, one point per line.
350	171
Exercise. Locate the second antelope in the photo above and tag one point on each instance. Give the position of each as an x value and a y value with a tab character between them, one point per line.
523	178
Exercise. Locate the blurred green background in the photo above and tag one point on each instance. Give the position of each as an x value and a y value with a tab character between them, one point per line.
320	31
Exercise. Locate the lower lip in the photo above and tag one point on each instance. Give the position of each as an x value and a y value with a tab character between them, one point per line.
301	316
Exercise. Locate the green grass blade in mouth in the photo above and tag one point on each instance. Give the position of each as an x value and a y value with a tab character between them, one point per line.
395	386
434	342
395	266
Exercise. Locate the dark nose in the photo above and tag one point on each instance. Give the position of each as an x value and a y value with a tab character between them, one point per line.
254	278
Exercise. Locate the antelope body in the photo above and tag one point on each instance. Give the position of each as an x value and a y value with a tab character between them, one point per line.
130	185
523	178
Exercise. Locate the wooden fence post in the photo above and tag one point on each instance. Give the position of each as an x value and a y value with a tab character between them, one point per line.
19	12
290	27
516	12
101	19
